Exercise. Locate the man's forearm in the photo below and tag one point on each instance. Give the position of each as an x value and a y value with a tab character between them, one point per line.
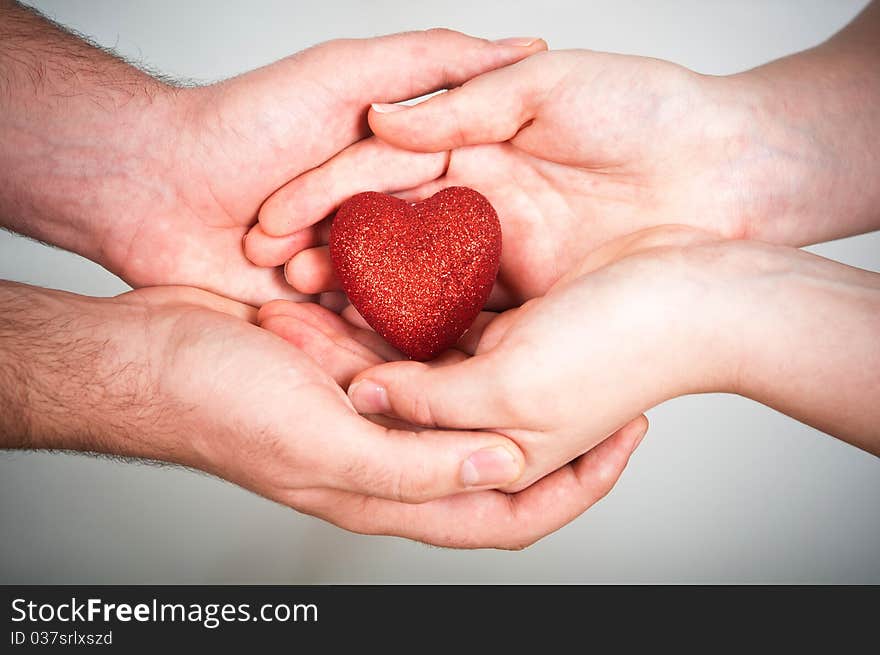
815	125
79	134
69	380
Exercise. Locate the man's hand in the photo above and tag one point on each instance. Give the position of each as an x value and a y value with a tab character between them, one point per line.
576	148
474	520
160	184
182	375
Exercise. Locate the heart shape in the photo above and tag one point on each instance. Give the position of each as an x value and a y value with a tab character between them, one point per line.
419	273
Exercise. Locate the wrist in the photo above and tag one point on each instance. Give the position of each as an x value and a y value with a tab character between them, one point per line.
75	375
799	335
691	311
753	172
83	142
78	180
797	153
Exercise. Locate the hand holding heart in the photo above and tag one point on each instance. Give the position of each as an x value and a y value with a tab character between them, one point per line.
561	373
648	317
210	155
581	160
574	150
571	148
551	142
467	520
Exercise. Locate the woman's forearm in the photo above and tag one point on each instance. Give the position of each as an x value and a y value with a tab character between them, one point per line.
807	335
813	120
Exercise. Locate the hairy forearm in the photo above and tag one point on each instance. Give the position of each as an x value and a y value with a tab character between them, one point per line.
79	134
805	331
814	124
71	379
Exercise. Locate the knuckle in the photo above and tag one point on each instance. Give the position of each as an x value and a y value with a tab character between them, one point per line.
440	33
359	475
513	545
420	410
412	485
333	44
513	401
516	546
401	488
270	308
383	482
361	517
397	483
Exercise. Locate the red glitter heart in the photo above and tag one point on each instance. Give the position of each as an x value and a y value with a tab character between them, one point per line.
418	273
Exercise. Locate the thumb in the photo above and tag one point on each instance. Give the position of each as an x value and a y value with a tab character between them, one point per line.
490	108
415	467
470	394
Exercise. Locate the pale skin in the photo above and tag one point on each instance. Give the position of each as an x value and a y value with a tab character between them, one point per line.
576	148
168	199
159	184
649	317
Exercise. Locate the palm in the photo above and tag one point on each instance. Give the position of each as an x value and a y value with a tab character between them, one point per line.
230	156
179	245
614	144
272	399
551	214
463	520
599	160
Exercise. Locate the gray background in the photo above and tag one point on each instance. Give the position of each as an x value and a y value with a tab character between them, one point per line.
722	489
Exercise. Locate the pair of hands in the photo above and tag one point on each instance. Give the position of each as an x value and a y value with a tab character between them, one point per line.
576	150
582	151
560	208
270	418
382	466
622	310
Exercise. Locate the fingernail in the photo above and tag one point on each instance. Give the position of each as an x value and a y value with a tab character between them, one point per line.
244	239
521	41
385	108
369	397
284	270
490	466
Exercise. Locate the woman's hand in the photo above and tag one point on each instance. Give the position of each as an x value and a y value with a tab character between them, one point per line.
572	148
652	316
473	520
576	148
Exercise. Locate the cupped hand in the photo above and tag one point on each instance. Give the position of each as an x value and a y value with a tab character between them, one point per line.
622	332
238	401
573	149
473	520
215	153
